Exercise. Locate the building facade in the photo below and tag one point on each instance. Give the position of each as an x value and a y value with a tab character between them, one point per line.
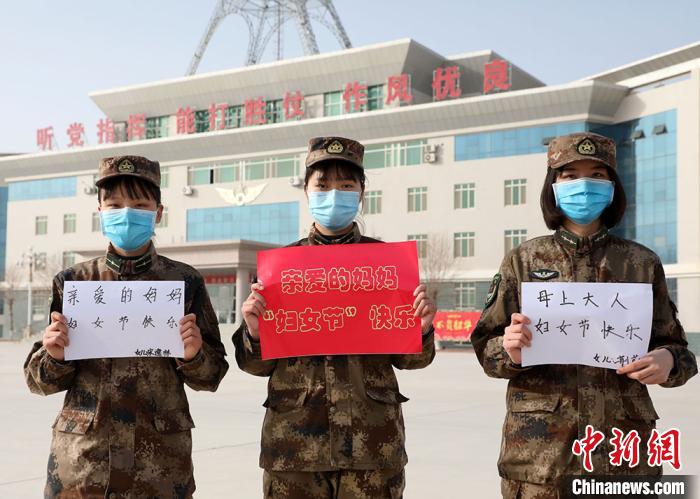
455	159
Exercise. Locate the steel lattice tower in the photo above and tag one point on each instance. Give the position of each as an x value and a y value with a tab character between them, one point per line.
266	19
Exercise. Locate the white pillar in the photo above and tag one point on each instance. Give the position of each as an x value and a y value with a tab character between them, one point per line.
242	291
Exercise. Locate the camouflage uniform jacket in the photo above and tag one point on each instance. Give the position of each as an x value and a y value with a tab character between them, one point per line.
124	430
333	412
549	406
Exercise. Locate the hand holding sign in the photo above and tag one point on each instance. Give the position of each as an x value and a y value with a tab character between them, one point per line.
55	338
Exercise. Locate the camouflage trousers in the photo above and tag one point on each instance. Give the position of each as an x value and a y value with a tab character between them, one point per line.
513	489
342	484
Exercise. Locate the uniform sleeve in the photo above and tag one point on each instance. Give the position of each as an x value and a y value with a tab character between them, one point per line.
249	355
667	332
44	374
206	370
420	360
487	337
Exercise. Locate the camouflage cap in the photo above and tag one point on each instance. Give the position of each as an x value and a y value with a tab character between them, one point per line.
583	145
338	148
133	166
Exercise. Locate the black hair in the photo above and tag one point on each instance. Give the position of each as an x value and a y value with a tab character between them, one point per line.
133	187
553	216
342	170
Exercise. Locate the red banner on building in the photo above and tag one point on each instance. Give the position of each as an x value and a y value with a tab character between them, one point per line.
339	300
456	326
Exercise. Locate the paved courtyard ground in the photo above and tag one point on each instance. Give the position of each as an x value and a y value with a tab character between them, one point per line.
453	426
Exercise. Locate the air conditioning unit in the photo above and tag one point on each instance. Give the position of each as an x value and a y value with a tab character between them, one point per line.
296	181
187	190
429	157
431	148
90	190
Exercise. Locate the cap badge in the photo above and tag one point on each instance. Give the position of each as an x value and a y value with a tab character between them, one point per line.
126	166
335	148
586	147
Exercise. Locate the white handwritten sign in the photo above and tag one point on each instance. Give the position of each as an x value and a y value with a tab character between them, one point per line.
595	324
123	318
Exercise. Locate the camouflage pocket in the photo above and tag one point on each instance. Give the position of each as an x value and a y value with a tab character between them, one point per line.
173	421
283	400
385	395
534	402
639	409
75	421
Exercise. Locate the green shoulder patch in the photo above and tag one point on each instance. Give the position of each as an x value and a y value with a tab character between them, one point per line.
493	291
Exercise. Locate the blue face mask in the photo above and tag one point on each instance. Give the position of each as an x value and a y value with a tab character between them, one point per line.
334	209
128	228
583	200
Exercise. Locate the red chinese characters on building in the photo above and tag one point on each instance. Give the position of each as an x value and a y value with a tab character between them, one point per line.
254	112
496	76
184	120
44	138
398	87
293	105
105	131
354	96
136	127
665	448
446	83
75	133
217	117
585	446
625	448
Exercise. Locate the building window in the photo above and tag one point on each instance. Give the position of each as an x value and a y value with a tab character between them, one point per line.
274	112
96	223
373	203
276	223
513	142
199	175
41	224
464	195
421	243
157	127
464	244
222	297
226	173
43	189
201	121
514	191
672	286
68	259
375	97
333	103
164	177
69	223
275	167
465	295
234	115
163	219
417	199
409	153
513	238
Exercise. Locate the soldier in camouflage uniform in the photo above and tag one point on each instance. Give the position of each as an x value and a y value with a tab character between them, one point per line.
124	430
334	426
549	406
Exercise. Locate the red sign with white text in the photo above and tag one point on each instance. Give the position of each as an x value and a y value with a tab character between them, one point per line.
455	325
339	300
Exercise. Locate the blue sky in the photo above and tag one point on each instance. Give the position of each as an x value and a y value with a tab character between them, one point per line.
54	52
